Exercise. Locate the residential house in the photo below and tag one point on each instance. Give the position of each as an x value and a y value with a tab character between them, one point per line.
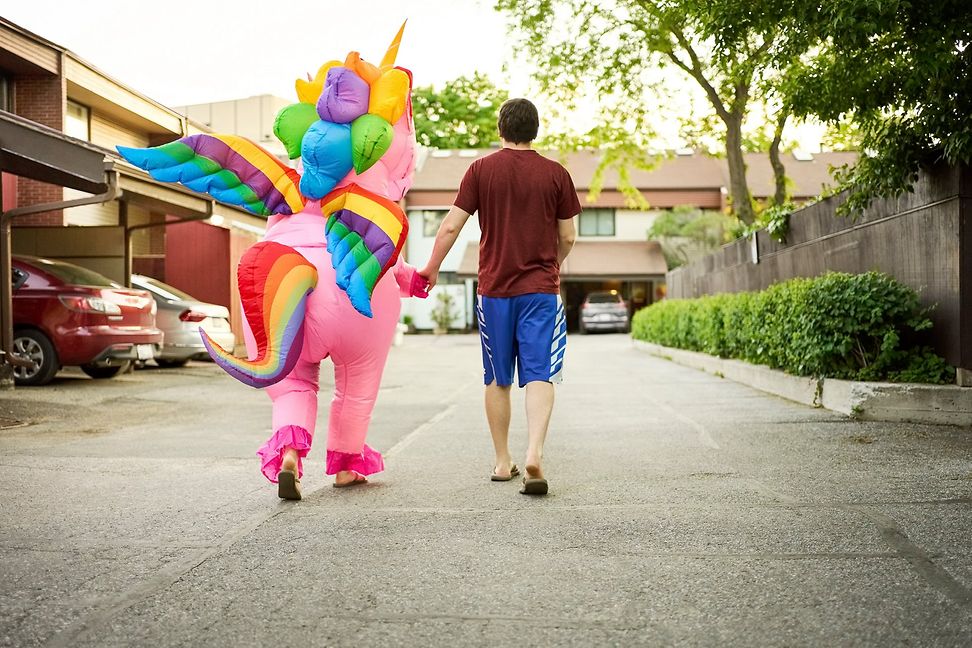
612	251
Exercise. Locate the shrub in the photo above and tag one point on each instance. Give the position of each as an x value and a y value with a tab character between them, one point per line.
858	327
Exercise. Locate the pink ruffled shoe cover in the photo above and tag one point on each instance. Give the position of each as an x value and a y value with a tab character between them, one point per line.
271	452
366	462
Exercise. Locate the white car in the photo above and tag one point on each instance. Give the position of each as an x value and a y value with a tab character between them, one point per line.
180	317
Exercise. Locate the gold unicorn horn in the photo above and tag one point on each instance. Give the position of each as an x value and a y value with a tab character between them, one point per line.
388	62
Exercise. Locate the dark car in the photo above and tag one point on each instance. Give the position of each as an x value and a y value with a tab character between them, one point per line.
180	316
604	311
68	315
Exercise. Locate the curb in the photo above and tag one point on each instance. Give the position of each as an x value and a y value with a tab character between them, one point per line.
865	401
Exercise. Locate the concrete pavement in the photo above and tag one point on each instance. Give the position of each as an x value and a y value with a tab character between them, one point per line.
684	510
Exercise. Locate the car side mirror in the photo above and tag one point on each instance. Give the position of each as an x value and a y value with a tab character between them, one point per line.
19	278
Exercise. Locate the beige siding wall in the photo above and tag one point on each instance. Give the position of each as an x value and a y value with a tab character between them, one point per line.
24	47
107	133
631	225
101	214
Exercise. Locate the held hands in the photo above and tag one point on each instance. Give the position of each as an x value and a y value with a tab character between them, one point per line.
419	286
429	275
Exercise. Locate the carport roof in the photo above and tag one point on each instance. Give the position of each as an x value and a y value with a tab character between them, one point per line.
595	260
35	151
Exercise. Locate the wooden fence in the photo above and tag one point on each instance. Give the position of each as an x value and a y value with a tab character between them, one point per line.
923	239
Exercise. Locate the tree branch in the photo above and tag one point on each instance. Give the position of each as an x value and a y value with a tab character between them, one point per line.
697	73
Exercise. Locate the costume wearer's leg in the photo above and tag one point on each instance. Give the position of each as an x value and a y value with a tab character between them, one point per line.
295	397
541	333
356	386
359	349
294	417
496	335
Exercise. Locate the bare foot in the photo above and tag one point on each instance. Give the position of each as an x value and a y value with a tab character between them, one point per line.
503	469
289	460
288	484
346	478
533	469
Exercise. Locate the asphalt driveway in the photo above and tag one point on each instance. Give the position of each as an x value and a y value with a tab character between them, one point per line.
684	510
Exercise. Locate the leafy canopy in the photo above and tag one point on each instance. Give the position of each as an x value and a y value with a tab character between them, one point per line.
609	52
900	71
460	115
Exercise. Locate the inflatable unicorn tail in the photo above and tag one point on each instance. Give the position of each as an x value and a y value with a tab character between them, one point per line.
274	282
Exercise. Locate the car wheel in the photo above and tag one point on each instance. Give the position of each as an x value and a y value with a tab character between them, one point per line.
171	364
582	329
103	372
34	346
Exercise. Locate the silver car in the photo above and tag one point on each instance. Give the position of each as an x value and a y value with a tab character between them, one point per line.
180	317
604	311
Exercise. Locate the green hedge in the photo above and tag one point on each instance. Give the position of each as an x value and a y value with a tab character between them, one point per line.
856	327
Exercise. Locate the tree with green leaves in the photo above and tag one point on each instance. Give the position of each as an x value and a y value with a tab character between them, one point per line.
687	233
460	115
899	72
726	47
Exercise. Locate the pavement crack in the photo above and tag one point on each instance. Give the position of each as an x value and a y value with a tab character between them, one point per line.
165	578
920	560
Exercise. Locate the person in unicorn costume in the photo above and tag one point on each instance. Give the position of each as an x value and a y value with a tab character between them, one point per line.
328	277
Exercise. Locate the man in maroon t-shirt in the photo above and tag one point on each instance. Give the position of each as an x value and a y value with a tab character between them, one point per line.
526	205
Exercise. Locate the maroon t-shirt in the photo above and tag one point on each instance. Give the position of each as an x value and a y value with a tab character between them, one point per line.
520	195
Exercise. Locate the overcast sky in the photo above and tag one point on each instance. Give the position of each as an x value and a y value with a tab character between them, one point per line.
181	53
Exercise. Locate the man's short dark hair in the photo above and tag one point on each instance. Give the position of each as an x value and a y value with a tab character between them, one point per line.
518	121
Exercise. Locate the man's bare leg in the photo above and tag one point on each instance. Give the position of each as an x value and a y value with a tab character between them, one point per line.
498	416
539	405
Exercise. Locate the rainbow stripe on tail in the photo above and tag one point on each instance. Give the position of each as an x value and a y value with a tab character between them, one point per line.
274	282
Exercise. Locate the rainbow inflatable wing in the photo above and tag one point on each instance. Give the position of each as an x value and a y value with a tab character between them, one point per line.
274	282
365	233
229	168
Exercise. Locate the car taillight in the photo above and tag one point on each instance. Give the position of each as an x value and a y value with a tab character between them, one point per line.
192	316
90	304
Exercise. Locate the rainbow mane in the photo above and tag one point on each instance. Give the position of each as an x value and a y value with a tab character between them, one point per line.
274	282
365	233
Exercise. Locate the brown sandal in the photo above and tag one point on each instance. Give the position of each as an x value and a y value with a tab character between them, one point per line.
288	486
514	471
534	486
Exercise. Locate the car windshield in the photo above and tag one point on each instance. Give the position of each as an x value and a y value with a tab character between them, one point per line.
163	290
603	298
72	274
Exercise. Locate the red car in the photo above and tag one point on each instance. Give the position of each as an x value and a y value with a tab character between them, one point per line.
64	314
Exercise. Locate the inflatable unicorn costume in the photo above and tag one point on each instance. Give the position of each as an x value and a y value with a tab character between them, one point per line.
327	278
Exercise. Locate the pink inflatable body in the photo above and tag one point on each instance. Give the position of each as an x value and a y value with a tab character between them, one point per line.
358	346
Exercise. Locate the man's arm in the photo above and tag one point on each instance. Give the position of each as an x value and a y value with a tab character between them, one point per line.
445	238
566	234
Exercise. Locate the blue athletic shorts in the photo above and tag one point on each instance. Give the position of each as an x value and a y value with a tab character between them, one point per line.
528	332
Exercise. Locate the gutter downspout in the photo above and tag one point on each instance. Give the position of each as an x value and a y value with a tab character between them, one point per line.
129	229
7	359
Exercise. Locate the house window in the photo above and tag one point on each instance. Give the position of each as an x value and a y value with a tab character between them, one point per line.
431	219
597	222
6	93
77	121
